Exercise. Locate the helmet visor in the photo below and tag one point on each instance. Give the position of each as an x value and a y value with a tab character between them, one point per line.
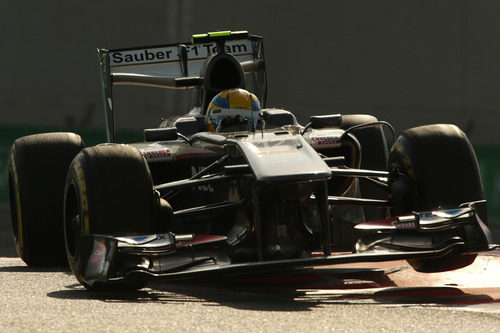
217	116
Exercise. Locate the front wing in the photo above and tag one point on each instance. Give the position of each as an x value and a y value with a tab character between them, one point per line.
428	235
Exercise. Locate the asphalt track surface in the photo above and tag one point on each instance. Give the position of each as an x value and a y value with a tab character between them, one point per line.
387	297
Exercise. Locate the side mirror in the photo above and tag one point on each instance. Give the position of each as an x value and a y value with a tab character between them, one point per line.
278	118
332	120
160	134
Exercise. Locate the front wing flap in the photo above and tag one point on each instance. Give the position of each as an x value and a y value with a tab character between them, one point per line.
426	230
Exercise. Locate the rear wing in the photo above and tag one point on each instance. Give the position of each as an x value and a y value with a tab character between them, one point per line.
184	65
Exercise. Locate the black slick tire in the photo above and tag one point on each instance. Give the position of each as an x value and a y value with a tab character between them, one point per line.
37	171
109	191
431	167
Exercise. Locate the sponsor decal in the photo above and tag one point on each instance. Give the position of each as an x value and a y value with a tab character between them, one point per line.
325	141
157	155
204	188
142	56
402	222
404	225
171	53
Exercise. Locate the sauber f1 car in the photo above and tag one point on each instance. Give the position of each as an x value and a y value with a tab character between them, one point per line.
226	189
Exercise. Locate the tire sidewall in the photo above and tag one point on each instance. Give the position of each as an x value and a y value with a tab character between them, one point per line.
75	182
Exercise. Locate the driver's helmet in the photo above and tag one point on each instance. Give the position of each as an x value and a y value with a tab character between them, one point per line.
233	110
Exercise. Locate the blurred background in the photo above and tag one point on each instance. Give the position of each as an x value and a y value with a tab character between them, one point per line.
409	62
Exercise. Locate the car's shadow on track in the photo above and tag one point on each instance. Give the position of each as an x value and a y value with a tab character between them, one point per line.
298	300
27	269
262	295
284	293
209	295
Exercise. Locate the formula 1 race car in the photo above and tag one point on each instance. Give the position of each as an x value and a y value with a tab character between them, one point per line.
237	188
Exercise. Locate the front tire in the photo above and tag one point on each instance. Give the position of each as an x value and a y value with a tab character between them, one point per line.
434	167
109	191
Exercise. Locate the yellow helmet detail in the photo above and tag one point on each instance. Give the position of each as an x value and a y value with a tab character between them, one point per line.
232	103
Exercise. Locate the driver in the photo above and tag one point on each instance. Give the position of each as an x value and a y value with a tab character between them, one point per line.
233	110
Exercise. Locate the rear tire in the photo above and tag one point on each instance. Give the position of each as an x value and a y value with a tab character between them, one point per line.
37	170
109	191
432	167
